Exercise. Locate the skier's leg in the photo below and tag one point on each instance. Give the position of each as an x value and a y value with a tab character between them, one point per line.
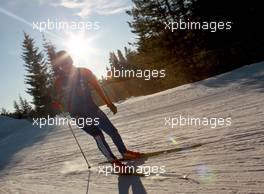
106	125
104	147
100	141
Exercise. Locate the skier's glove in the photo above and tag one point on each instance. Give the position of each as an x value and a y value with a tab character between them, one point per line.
112	108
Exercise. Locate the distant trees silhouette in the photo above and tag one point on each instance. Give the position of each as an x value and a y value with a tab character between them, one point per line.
191	55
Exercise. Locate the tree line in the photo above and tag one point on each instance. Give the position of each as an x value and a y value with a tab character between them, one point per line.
189	55
186	55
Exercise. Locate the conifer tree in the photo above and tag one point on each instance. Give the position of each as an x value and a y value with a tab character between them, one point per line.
36	77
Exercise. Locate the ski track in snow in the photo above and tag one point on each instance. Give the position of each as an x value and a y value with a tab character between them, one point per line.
229	161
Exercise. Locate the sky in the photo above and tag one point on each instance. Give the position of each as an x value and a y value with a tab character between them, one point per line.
106	30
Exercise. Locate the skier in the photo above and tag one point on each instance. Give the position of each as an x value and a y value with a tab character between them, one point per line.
73	87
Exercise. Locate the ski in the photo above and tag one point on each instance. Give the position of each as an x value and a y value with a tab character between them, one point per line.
157	153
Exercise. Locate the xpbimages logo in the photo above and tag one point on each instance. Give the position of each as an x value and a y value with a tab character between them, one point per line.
51	25
58	121
181	120
212	26
126	169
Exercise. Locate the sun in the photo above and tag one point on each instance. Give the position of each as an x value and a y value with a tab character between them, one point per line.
80	47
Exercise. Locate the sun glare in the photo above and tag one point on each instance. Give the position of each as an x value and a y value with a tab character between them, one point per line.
80	48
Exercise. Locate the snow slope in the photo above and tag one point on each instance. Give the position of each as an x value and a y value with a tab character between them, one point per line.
229	160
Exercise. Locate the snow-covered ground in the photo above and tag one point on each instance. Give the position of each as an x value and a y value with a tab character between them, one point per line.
229	160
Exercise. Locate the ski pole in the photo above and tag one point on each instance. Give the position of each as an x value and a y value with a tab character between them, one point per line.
85	158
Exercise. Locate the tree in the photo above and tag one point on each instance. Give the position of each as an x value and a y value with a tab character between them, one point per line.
113	61
37	76
122	60
158	48
118	62
25	107
18	111
4	112
50	50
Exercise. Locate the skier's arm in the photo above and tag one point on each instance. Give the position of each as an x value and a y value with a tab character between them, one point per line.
98	88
